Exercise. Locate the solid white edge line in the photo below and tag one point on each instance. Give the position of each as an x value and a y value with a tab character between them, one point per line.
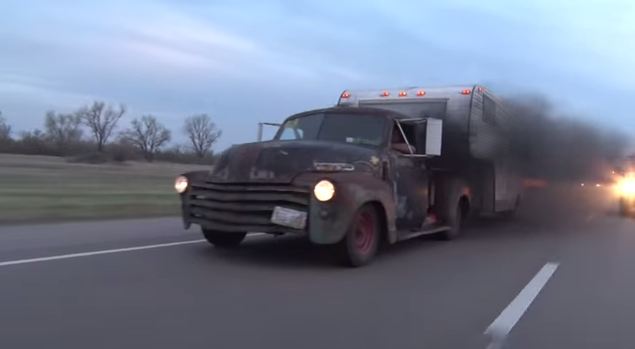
503	324
116	250
93	253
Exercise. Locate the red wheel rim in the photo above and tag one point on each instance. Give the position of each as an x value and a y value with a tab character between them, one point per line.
364	232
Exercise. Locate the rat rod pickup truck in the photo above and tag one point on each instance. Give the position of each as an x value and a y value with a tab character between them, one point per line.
353	176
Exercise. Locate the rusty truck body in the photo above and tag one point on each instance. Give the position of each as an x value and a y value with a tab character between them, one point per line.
380	167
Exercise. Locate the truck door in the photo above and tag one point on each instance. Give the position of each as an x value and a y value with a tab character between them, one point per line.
410	182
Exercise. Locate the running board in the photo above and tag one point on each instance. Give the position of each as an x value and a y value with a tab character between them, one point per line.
414	234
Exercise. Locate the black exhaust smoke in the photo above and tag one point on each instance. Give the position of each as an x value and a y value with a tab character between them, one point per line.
555	147
556	152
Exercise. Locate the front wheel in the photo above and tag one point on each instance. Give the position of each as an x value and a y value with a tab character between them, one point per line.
223	239
361	242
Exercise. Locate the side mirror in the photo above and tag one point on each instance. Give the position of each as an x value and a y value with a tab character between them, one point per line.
434	136
261	126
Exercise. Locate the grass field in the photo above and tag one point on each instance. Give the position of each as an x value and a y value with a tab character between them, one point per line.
44	188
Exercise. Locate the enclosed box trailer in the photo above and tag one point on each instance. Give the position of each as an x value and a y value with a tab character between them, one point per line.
475	146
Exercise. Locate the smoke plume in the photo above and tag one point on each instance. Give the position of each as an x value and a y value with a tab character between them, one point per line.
559	147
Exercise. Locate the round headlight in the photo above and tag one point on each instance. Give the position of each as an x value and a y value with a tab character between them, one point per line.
180	184
324	190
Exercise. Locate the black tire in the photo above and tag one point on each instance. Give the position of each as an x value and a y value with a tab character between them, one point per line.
223	239
511	214
451	206
454	218
361	242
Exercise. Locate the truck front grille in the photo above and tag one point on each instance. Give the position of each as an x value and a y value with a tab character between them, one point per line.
245	207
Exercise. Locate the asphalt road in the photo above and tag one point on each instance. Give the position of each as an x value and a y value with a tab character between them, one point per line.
285	293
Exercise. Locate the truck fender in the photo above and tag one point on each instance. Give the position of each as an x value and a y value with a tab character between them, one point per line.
353	196
386	221
388	217
191	176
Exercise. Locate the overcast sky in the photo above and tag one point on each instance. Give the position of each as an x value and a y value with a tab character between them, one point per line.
248	61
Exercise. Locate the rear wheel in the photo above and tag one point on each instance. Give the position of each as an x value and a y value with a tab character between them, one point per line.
360	244
512	213
223	239
451	205
454	217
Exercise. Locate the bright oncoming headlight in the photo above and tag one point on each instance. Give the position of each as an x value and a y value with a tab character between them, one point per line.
180	184
324	190
626	186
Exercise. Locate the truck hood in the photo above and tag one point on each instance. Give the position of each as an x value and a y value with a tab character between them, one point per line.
281	161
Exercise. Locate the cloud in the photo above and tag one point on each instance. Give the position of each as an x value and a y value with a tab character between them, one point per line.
24	100
245	61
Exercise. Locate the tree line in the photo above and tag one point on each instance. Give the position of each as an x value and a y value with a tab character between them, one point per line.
91	131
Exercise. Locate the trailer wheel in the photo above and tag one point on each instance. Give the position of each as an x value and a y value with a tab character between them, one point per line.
223	239
512	213
360	244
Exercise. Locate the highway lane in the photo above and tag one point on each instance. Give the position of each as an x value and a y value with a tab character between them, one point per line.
590	303
285	293
25	241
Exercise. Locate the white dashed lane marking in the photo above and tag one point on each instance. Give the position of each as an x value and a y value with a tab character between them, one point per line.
503	324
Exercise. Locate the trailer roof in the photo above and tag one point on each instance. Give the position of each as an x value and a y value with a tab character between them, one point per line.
353	97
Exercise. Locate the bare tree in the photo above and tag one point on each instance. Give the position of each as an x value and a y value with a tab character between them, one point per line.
101	120
33	142
5	129
63	130
147	135
202	133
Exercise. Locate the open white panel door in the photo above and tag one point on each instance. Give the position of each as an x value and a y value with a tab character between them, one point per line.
434	134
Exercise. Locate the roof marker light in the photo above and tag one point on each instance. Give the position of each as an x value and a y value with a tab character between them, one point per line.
403	93
385	93
466	91
345	95
421	93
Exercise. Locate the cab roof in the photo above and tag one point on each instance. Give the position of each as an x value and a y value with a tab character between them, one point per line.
361	111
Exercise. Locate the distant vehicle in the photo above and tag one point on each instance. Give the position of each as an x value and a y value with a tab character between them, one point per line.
382	166
625	186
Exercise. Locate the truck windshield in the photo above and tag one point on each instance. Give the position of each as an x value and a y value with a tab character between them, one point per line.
365	130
